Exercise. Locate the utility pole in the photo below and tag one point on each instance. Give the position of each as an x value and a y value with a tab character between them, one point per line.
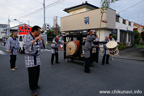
44	16
56	27
28	23
45	34
8	31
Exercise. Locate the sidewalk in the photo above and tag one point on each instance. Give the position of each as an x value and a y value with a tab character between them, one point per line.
131	54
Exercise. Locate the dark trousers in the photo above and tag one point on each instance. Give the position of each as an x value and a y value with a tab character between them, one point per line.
52	57
12	61
4	43
87	64
94	56
105	57
33	74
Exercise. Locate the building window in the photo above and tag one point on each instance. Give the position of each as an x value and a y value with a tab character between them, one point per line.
117	18
124	21
129	23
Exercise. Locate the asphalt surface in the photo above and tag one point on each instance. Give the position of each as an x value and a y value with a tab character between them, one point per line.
68	79
132	54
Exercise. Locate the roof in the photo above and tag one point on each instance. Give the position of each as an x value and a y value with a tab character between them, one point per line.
86	4
15	27
138	25
135	28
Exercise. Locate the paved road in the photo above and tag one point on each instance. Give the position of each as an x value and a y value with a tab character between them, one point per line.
68	79
132	54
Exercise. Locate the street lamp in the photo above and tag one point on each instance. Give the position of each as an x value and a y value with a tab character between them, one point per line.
8	31
18	21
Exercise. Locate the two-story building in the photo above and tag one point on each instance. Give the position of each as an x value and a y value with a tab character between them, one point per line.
124	29
87	16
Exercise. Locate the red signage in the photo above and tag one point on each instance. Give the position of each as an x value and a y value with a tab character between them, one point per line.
23	30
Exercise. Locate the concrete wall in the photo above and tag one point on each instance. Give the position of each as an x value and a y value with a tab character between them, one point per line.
110	18
120	25
76	22
103	34
77	11
140	29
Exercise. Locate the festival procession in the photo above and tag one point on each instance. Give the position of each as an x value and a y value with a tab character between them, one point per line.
72	48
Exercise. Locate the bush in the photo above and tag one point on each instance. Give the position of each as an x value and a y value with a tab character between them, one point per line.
121	47
51	33
115	36
142	35
137	37
10	35
143	43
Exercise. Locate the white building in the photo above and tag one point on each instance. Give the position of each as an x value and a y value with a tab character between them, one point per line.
87	16
2	31
15	28
124	28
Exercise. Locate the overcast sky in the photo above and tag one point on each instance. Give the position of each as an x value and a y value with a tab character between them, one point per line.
23	10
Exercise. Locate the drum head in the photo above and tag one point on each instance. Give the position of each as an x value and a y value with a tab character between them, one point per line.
71	48
114	52
111	44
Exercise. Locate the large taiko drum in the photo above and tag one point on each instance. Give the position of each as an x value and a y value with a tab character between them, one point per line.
112	48
72	47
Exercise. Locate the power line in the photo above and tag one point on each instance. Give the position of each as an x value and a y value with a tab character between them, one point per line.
50	5
47	6
28	10
131	6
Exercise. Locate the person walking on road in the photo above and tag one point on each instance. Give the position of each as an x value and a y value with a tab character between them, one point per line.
4	41
105	52
54	49
33	43
12	46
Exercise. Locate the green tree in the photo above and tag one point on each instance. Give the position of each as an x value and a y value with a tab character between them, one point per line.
115	36
58	29
142	35
137	37
51	33
10	35
105	4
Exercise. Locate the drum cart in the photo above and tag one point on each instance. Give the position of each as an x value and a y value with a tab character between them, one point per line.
80	37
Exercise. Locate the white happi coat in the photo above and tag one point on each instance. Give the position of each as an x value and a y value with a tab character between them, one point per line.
32	50
54	47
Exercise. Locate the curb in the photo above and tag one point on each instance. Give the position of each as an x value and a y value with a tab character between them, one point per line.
129	59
